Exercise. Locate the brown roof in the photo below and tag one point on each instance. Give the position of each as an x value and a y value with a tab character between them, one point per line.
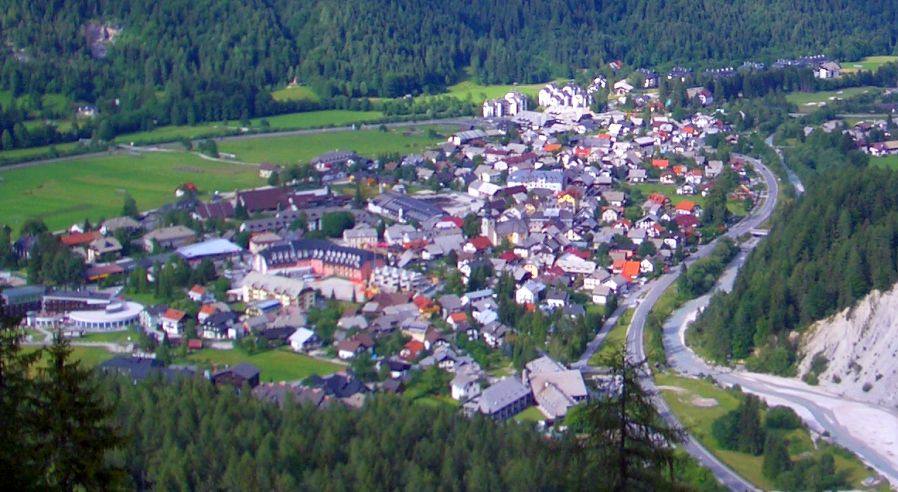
77	239
174	314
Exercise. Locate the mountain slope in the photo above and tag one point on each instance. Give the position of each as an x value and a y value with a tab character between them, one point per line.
855	352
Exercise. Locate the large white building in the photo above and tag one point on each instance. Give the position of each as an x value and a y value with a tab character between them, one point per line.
513	103
569	96
392	279
533	179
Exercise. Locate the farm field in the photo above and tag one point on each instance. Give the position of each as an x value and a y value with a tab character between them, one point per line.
276	365
809	101
291	121
697	403
15	155
68	192
293	149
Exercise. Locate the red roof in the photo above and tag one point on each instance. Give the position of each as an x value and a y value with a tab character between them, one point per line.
174	314
631	270
422	302
660	163
508	256
412	349
458	317
686	221
80	238
194	344
480	242
455	220
198	289
686	206
658	198
209	309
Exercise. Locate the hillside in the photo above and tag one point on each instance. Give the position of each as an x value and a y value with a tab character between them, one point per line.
824	253
853	352
390	48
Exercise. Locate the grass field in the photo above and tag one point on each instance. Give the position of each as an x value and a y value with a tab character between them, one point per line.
89	356
34	152
292	149
291	121
616	338
276	365
682	395
122	337
888	162
809	101
295	93
476	92
670	191
870	63
437	401
532	414
67	192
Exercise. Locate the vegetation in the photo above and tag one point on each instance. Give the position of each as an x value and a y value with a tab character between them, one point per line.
615	337
275	364
827	251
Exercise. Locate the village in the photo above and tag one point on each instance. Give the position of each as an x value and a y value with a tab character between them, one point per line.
477	270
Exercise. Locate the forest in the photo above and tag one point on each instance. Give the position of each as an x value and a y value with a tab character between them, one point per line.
823	253
146	63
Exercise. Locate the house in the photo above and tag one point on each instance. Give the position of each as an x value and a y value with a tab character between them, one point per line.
197	293
173	322
828	70
529	293
505	399
220	326
167	238
303	339
636	176
557	298
151	317
494	334
238	375
556	391
267	170
103	249
464	386
257	286
412	350
686	207
622	88
601	295
350	347
360	236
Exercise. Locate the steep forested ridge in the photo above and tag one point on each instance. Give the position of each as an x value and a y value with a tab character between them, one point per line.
824	253
388	48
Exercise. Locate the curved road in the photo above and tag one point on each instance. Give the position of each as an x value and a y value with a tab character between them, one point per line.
636	349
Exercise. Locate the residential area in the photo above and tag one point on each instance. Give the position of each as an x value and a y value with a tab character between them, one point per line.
473	274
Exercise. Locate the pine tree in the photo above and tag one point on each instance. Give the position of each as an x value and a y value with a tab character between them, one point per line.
74	429
629	445
776	457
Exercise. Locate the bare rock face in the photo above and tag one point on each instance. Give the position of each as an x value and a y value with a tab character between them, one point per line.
854	353
100	37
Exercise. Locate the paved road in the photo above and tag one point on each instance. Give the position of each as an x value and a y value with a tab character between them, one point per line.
636	349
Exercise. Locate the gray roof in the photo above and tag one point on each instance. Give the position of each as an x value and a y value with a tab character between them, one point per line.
502	394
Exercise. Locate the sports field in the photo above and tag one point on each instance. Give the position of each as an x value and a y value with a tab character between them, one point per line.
68	192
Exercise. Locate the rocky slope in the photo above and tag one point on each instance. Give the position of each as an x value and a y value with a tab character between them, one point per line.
855	352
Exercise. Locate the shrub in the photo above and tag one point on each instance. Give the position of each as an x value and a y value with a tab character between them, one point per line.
780	417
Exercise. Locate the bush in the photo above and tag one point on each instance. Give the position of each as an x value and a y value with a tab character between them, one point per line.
780	417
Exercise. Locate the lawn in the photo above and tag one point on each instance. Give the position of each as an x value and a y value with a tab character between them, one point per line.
16	155
615	339
89	356
888	162
681	394
121	337
276	365
68	192
808	101
870	63
469	90
435	401
670	191
292	149
532	414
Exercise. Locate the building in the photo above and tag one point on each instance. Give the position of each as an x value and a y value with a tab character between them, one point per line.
505	399
328	160
115	316
257	286
403	208
64	301
464	386
555	388
392	279
173	322
18	301
360	237
537	179
103	249
168	238
513	103
212	249
322	258
569	96
238	375
303	339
